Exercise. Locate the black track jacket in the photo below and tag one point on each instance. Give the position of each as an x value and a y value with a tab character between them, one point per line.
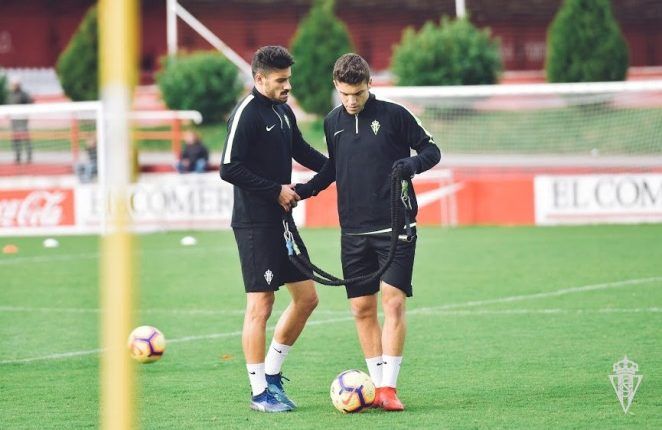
362	149
262	139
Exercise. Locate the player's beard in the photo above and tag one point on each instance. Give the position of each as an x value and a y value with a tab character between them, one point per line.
278	95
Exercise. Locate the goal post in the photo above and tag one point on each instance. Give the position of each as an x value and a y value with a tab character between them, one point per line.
59	134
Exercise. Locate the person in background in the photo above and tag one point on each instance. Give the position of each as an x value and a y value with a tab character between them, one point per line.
87	171
20	136
194	156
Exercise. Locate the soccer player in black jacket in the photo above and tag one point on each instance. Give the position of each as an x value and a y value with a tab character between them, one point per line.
366	137
262	139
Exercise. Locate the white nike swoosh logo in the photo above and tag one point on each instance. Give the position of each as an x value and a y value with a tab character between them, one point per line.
269	128
338	132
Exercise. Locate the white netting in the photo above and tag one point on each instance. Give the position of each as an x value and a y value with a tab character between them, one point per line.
590	123
47	134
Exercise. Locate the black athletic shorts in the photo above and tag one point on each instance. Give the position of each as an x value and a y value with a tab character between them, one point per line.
265	265
364	254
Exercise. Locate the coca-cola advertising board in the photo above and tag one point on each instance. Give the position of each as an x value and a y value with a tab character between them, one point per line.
35	209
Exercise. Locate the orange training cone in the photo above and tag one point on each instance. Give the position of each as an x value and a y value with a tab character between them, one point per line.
10	248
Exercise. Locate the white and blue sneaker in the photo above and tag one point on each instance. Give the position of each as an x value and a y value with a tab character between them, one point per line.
266	402
275	386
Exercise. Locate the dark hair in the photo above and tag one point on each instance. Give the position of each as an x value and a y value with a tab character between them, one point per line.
351	69
270	58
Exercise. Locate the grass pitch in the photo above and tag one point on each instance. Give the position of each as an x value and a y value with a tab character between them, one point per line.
508	328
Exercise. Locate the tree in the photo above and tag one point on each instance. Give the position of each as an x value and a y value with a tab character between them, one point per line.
204	81
320	39
78	65
453	53
3	88
585	44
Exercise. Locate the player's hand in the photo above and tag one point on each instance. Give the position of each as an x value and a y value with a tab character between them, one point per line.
288	198
407	166
304	190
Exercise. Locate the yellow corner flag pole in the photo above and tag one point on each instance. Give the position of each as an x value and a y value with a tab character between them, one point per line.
118	44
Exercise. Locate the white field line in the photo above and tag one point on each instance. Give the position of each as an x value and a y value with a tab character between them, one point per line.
240	312
427	311
549	311
143	311
95	255
557	293
479	312
508	299
49	258
176	340
53	356
440	310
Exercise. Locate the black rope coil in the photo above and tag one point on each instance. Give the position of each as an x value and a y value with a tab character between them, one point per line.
301	259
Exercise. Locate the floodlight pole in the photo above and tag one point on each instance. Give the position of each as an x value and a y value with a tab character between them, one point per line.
175	10
171	16
460	9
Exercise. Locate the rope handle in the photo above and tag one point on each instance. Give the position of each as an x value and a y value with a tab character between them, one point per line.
298	254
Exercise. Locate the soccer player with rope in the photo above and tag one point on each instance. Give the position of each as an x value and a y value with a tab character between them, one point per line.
262	139
368	138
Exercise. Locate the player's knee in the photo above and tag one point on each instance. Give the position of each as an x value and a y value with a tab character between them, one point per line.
363	311
312	302
259	307
307	303
394	306
258	315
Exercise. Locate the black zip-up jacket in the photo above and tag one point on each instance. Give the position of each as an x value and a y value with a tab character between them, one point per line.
362	149
262	139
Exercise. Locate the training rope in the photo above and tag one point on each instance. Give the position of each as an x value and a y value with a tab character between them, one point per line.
298	253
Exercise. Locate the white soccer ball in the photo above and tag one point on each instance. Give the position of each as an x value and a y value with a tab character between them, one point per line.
188	241
352	391
146	344
51	243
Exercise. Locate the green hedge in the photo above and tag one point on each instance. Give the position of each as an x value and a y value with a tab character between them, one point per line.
452	53
585	44
203	81
320	39
78	65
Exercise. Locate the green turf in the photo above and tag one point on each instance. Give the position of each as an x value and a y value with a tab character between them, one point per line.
483	350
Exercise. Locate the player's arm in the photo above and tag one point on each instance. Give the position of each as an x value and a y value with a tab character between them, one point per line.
326	176
420	140
235	153
302	152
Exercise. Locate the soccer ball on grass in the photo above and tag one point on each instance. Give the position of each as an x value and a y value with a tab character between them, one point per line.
352	391
146	344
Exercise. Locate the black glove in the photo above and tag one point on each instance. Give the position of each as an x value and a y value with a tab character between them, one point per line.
304	190
408	166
